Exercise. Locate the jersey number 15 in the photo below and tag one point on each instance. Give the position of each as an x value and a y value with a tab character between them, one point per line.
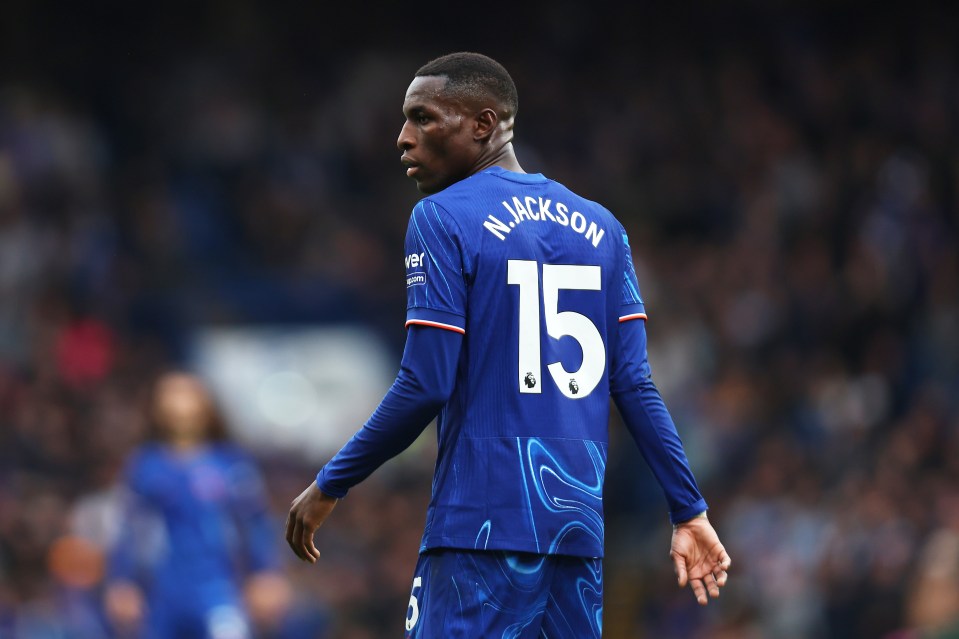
525	274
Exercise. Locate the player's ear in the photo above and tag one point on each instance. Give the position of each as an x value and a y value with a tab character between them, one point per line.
484	124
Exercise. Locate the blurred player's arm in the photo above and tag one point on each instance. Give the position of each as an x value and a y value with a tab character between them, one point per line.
123	598
422	387
251	512
266	590
698	556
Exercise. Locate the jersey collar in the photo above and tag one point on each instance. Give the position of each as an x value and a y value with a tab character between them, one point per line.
522	178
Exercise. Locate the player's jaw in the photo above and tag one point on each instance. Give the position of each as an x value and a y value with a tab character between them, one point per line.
433	171
429	158
438	157
427	180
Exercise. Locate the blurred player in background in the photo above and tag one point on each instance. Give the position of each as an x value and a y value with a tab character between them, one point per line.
524	317
198	538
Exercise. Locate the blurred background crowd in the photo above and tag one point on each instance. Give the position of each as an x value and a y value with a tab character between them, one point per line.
789	178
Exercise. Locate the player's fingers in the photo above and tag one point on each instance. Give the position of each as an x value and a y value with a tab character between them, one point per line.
699	591
289	528
312	554
721	577
679	566
712	586
296	540
724	561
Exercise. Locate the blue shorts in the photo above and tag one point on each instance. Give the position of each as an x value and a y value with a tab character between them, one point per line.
513	595
196	611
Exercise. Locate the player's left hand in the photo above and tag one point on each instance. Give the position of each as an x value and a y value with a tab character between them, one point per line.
699	558
307	514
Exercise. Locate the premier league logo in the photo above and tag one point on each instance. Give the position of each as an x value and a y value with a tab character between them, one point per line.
529	380
573	386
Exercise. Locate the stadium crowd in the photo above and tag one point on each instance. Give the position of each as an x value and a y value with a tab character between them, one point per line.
791	188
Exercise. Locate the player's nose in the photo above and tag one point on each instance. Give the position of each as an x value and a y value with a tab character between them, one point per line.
405	141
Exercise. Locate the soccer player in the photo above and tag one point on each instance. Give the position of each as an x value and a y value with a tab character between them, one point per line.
524	317
184	576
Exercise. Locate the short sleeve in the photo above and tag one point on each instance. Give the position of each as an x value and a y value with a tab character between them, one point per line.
435	282
632	306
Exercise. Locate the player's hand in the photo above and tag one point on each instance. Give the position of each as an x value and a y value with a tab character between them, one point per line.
699	558
124	604
307	514
268	596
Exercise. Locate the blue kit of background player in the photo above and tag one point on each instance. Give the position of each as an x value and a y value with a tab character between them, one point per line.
197	512
524	318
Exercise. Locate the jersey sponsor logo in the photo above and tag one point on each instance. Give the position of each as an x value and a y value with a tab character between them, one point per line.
417	278
538	209
414	260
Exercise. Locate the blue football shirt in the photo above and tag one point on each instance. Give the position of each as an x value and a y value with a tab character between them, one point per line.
537	279
213	506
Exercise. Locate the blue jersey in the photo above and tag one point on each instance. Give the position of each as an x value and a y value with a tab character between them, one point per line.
520	299
537	279
210	506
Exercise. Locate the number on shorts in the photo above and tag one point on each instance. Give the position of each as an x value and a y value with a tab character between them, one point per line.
414	613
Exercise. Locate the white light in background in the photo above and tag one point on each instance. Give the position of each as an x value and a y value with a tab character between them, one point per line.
287	399
300	390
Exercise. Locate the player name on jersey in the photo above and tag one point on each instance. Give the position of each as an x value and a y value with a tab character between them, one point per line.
538	209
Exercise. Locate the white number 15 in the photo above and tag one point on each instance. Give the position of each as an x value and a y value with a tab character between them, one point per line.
524	274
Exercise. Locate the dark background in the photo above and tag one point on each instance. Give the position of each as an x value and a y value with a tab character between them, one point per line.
788	176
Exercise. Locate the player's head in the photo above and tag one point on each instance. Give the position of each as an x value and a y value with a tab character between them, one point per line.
183	411
459	113
474	77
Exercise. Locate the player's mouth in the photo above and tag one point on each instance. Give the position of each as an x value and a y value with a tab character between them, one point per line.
412	168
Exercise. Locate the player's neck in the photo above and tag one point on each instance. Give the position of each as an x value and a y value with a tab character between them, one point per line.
504	158
185	445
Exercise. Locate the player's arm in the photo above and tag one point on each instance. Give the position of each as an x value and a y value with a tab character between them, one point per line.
123	597
250	510
699	558
650	423
266	590
422	387
436	309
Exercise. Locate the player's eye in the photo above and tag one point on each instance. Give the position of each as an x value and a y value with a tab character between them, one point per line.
422	119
